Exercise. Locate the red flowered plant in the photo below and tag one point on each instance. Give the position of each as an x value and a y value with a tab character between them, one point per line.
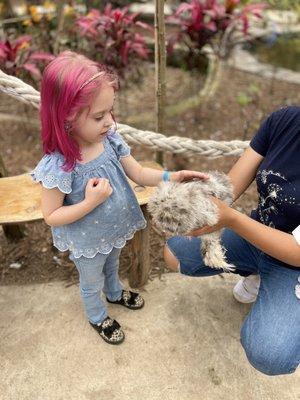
201	22
17	57
113	37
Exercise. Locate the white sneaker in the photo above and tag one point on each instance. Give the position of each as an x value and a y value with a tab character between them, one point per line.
246	290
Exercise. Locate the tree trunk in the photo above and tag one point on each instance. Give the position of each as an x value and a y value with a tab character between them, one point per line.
160	70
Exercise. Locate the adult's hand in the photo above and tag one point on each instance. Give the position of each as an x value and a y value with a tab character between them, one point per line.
225	214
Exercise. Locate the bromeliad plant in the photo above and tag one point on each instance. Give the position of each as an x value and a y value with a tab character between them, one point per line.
213	22
19	58
112	37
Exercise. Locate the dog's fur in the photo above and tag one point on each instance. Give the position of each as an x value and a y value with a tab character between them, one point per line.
180	208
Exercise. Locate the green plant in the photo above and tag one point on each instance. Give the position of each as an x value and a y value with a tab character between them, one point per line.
213	22
111	37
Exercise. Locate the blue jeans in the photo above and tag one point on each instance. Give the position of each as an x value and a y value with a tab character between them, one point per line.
270	334
98	274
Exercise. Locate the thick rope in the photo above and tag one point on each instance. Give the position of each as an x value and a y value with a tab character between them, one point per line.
173	144
180	145
20	90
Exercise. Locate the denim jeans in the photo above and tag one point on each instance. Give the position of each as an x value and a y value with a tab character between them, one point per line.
270	334
98	274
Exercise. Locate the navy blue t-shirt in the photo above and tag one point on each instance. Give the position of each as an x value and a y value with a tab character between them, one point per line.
278	176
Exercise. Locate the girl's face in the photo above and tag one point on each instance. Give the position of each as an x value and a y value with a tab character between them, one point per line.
94	122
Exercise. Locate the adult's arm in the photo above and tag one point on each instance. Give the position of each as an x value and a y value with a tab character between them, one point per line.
243	172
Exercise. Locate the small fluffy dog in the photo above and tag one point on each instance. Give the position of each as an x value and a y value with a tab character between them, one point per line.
180	208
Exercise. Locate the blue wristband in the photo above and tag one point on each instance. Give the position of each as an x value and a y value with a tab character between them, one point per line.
166	176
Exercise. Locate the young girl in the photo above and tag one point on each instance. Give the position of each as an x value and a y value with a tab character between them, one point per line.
265	247
86	198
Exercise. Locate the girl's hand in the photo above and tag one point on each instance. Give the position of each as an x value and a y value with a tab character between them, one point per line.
225	214
97	191
185	176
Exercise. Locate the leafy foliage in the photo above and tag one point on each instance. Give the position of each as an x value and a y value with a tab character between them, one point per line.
18	57
112	37
204	22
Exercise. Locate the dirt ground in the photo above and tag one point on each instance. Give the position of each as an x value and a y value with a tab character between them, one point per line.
183	345
221	118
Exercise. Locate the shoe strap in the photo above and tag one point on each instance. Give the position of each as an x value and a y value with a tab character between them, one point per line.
109	330
131	300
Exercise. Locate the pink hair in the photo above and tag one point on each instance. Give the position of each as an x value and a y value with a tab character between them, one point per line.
62	100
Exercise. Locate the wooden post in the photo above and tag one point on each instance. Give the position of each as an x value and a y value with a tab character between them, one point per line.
3	170
140	254
60	26
12	232
160	70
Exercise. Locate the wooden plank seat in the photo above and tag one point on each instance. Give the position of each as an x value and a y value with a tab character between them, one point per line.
20	202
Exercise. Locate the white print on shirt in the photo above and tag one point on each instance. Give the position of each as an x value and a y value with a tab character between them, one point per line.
297	289
279	191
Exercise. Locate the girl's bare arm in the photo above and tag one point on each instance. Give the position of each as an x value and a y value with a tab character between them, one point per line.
56	214
241	174
152	177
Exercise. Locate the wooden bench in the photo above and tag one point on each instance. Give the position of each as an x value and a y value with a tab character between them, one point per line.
20	202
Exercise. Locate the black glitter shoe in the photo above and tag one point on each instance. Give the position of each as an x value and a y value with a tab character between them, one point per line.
110	331
129	299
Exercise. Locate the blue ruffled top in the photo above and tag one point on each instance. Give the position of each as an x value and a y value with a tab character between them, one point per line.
111	223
